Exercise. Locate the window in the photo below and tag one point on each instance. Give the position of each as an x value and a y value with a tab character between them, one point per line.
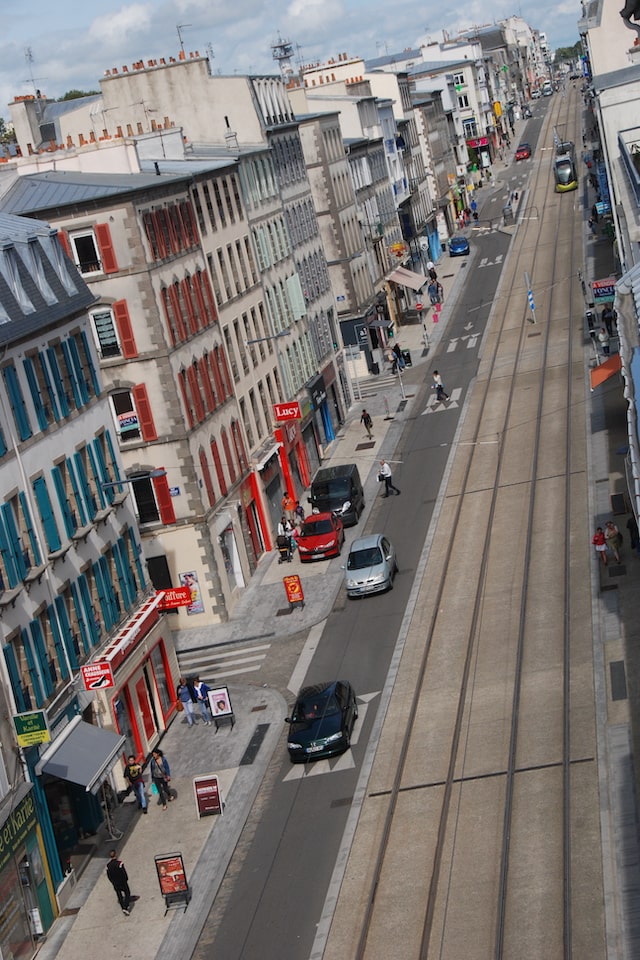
105	333
16	399
153	499
86	252
126	416
463	101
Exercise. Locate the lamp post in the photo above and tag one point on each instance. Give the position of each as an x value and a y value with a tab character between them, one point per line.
150	475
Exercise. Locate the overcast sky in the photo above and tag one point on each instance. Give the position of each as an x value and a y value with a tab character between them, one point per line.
72	43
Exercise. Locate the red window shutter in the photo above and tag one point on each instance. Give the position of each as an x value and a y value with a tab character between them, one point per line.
224	369
213	313
125	330
201	309
168	316
107	253
217	377
160	236
177	311
186	399
145	417
194	386
206	476
188	302
218	465
164	499
231	467
205	381
63	240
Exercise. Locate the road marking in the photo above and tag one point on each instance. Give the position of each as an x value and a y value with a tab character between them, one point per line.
306	656
470	341
223	663
437	406
344	761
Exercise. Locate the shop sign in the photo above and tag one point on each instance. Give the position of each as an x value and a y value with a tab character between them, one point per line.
317	391
604	291
287	411
478	142
16	827
172	877
128	421
32	728
174	597
97	675
208	797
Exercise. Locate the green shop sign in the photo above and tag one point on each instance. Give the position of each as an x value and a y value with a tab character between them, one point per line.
16	828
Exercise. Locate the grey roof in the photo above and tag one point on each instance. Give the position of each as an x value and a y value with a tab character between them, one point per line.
53	293
617	78
186	168
61	188
54	109
438	66
391	59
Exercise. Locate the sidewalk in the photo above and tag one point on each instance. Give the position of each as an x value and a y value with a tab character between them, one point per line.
92	919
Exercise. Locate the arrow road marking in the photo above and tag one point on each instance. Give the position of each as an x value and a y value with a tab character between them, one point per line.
470	341
436	406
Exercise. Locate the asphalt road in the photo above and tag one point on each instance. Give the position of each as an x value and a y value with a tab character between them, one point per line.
276	888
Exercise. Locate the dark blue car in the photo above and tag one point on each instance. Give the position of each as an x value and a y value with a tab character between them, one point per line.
458	247
322	721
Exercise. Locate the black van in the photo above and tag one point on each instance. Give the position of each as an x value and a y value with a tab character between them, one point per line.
334	486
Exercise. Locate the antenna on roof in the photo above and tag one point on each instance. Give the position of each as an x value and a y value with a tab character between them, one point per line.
180	27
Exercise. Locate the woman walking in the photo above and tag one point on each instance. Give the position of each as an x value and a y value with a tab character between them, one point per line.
600	543
161	775
186	696
613	539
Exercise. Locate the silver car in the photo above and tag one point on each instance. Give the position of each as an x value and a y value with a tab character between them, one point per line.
371	566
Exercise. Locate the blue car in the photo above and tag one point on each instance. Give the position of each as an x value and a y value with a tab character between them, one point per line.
458	247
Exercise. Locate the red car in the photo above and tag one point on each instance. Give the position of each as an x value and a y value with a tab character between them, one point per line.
523	152
321	536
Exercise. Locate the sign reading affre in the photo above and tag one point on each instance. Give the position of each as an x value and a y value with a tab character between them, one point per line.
174	597
287	411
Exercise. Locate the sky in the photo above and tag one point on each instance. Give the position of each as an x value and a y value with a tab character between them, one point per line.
65	44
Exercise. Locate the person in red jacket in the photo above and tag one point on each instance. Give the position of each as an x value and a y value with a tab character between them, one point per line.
600	543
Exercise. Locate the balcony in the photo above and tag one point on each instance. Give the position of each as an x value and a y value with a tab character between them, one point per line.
629	143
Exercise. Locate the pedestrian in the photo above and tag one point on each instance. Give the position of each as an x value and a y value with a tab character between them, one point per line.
634	536
186	695
438	386
609	317
440	292
432	289
133	776
285	527
603	340
430	265
288	506
600	543
367	423
299	514
386	476
117	874
201	691
397	350
161	775
613	539
432	273
592	226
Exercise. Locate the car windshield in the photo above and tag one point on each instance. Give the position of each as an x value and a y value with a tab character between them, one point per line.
312	528
359	559
312	707
338	487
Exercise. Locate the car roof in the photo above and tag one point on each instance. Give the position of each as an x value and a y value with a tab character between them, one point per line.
365	543
326	515
523	144
318	689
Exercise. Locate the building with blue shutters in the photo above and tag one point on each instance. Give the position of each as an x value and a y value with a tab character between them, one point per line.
74	591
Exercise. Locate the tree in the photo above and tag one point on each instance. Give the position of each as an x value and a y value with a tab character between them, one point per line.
564	54
77	94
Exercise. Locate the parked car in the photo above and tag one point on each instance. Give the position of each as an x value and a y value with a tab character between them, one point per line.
526	113
333	487
321	536
535	94
322	721
371	566
458	247
523	151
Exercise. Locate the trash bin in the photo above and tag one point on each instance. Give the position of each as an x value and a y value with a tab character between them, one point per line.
406	356
375	367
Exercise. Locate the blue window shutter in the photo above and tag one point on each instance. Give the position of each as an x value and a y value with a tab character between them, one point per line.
112	455
77	494
93	625
105	606
8	558
33	541
66	631
31	666
16	400
85	487
136	551
106	494
3	444
121	568
97	474
128	572
42	656
61	653
13	540
14	677
112	597
63	398
85	637
71	373
89	357
68	519
46	514
36	396
53	400
74	354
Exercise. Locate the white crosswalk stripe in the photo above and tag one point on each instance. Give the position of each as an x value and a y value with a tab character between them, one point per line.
343	761
436	406
217	664
372	385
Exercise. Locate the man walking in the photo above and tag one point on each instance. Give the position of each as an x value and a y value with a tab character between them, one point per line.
117	874
385	474
438	386
367	423
133	776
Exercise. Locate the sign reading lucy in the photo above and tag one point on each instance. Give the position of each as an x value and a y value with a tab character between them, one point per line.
287	411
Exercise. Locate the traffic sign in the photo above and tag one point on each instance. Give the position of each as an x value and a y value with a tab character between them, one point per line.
419	307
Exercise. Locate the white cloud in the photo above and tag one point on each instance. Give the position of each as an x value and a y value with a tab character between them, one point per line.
110	30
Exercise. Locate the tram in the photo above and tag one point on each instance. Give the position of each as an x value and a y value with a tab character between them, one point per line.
564	167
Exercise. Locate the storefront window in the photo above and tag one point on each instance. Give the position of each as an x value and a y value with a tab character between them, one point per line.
163	683
15	933
229	552
124	722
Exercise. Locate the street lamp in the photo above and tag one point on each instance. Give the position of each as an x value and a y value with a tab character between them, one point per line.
150	475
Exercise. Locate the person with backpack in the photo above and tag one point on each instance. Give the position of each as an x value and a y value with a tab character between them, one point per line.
367	423
133	776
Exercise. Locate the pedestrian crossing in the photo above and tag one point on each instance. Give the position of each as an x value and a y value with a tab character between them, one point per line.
373	385
436	406
218	664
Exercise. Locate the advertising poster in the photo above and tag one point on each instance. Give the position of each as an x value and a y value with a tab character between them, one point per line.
207	793
190	580
220	702
171	873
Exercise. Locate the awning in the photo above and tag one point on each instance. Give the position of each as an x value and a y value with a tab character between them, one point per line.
82	754
605	370
407	278
380	322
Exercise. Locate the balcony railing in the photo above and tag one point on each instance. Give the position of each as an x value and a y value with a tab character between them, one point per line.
629	143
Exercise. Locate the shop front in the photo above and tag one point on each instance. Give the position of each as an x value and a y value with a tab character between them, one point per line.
317	389
27	897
